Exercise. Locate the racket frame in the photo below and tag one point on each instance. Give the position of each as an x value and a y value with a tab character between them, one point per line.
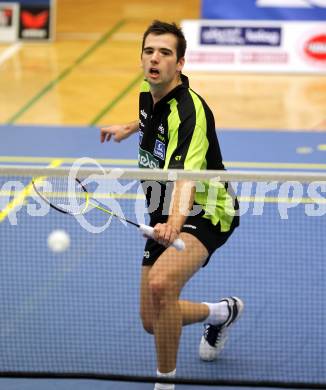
145	229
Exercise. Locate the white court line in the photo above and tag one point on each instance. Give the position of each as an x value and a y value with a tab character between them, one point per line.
9	52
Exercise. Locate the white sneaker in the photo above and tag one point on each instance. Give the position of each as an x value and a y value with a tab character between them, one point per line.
215	336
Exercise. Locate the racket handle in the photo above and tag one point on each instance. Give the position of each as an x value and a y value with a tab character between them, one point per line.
178	244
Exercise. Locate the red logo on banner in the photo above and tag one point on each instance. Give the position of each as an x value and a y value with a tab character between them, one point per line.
30	20
5	17
7	12
316	47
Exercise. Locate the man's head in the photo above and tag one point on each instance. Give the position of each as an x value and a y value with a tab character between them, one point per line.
162	57
160	28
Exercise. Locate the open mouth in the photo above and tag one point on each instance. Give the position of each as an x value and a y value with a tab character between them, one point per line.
154	72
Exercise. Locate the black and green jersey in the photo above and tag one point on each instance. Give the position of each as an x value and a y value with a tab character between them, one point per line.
179	133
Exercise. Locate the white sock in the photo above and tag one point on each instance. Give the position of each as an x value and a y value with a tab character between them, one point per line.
165	386
218	313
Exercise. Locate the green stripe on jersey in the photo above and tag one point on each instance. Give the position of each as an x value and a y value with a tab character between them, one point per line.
216	202
144	87
196	156
173	127
214	198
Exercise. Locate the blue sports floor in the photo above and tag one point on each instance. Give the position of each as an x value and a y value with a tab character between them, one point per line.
79	311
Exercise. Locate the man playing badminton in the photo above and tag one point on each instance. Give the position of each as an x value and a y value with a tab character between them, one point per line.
177	130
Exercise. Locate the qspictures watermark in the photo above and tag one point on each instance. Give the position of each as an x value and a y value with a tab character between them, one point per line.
108	188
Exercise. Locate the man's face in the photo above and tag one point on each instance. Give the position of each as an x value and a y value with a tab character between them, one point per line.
159	59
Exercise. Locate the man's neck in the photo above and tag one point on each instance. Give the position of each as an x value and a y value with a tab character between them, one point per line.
158	92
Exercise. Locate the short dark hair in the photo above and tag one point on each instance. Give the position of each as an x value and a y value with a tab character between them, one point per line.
158	28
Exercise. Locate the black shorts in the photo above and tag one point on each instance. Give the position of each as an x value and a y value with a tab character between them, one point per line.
208	234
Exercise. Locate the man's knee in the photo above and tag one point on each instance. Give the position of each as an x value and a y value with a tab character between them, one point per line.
162	290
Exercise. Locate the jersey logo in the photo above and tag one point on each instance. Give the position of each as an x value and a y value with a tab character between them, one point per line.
146	160
159	150
140	137
178	158
190	227
143	113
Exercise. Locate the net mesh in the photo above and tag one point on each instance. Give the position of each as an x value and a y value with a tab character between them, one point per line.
77	312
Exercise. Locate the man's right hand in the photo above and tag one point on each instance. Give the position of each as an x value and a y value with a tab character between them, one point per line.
118	132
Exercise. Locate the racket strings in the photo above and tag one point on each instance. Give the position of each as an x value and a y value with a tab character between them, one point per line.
64	193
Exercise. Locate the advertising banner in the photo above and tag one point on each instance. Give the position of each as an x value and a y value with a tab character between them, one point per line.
255	46
8	21
27	20
264	9
35	22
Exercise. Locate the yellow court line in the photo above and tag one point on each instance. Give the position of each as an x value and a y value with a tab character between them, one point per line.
119	162
247	199
262	199
97	196
23	159
249	164
23	194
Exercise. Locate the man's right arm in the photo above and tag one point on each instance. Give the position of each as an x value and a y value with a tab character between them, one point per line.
119	132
